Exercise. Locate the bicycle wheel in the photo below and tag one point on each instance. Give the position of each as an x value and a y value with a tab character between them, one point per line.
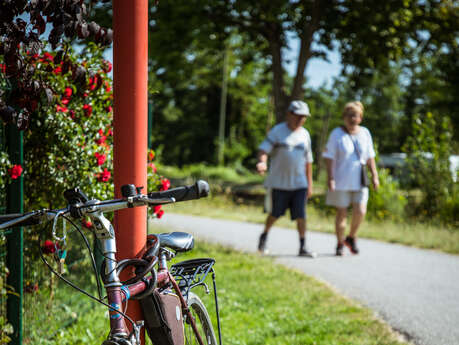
199	312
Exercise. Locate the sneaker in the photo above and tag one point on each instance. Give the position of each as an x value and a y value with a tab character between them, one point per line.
307	253
350	243
339	249
262	243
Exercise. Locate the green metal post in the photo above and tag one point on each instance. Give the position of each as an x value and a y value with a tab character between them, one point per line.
150	122
14	245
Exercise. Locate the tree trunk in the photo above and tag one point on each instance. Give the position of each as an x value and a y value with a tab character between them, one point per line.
275	45
305	51
273	35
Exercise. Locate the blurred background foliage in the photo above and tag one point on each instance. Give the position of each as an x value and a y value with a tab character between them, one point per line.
399	57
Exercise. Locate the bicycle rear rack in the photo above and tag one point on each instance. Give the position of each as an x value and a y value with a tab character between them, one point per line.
191	273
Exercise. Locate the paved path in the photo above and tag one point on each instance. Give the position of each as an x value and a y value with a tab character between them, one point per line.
415	291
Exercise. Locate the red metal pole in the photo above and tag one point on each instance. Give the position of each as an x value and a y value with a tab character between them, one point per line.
130	77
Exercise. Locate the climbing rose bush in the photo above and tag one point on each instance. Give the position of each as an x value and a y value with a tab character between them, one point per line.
70	142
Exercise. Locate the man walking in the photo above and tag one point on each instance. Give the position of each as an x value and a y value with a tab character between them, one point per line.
289	182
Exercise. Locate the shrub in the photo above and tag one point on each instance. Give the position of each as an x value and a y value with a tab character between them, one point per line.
68	143
387	202
428	150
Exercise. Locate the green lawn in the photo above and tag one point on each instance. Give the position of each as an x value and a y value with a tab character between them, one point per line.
260	303
265	303
418	235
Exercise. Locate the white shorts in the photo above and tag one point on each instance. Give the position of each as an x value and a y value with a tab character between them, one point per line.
344	198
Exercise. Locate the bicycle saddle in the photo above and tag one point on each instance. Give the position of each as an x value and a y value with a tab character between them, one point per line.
178	241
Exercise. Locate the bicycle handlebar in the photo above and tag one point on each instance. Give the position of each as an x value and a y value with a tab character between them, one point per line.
198	190
19	219
77	210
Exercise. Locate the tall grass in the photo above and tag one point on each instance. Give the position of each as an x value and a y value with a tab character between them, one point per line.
422	235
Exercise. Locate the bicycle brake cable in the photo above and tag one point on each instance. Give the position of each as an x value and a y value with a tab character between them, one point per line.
68	282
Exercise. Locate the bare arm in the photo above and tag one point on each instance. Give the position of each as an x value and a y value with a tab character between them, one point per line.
330	178
374	173
309	178
262	164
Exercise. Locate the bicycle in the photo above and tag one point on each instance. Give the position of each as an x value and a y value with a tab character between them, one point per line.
171	311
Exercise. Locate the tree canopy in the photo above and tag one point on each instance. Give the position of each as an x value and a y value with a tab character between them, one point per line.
380	44
368	34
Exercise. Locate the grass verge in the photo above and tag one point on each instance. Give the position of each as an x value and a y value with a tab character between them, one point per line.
263	303
418	235
260	303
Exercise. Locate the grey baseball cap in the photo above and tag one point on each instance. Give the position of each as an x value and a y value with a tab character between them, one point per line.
299	108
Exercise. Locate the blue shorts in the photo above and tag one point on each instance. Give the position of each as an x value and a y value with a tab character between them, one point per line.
295	200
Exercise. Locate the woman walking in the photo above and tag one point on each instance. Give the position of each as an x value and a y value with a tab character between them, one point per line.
348	153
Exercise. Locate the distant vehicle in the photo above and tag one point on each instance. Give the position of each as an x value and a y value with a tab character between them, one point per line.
396	163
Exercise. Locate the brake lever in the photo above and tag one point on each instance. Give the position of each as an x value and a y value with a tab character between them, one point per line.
145	199
161	201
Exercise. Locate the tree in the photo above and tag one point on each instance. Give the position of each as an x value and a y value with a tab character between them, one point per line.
188	97
375	38
369	34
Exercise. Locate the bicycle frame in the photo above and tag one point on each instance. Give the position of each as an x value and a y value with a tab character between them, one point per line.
117	293
116	290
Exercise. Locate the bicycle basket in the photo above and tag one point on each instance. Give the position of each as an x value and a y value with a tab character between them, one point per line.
191	273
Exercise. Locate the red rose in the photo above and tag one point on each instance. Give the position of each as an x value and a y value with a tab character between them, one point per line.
47	57
100	158
15	171
153	167
65	100
109	109
93	81
87	108
110	132
57	70
104	176
165	184
107	66
158	211
68	92
87	224
151	155
49	247
101	140
61	109
72	114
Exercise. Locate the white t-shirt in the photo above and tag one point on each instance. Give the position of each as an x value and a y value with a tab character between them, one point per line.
346	163
289	152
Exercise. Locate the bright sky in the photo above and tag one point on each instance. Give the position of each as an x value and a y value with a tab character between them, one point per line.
318	71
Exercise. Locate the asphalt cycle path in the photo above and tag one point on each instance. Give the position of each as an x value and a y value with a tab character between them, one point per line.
416	291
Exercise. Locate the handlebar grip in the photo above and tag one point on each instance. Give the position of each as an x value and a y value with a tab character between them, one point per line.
199	190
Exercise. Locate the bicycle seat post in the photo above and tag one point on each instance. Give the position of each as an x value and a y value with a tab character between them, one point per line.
164	256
